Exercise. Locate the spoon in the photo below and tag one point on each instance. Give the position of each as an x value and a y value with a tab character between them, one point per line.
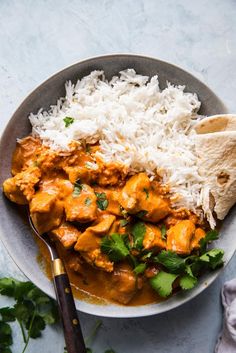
70	321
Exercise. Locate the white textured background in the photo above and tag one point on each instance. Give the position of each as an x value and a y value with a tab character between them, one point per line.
39	37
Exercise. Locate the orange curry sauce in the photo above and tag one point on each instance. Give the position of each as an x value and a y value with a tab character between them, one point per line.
79	200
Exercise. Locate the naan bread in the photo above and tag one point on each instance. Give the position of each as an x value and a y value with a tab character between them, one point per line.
216	123
216	149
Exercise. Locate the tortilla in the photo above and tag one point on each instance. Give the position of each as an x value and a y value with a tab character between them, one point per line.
216	123
216	150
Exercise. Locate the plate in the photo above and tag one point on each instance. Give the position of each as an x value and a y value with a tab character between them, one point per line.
16	234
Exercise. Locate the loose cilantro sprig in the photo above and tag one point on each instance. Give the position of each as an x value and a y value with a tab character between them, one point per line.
102	201
114	246
187	268
33	310
138	231
68	121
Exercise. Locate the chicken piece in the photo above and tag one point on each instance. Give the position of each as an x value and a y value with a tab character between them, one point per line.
179	237
20	188
138	196
67	234
110	174
124	284
25	153
152	238
80	172
46	211
81	206
88	243
198	235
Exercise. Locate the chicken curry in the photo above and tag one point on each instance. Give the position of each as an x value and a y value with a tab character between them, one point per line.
109	226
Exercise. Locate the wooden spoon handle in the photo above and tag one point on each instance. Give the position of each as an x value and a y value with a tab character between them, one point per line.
72	330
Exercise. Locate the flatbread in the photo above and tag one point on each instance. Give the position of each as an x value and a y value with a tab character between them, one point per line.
216	123
216	150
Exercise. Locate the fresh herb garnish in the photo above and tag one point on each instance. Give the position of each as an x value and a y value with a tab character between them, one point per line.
88	201
140	269
138	231
187	282
187	268
210	236
68	121
124	222
162	283
102	201
114	246
171	261
213	258
163	232
141	214
146	192
33	310
78	187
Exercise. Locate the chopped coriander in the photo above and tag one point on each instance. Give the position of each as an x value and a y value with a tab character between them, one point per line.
114	246
68	121
102	201
146	192
78	187
214	258
162	283
210	236
187	282
88	201
147	256
124	222
140	269
138	231
171	261
141	214
163	232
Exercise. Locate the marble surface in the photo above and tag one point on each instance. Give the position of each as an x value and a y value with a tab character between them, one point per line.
38	38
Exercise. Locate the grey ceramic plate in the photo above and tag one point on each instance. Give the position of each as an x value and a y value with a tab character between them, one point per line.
16	234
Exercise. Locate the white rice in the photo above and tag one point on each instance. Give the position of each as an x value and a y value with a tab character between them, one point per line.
135	123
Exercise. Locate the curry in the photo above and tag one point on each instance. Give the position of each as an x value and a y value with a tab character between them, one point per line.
108	225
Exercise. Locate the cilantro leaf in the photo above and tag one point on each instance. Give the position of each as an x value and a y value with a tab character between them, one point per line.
89	350
109	351
210	236
187	282
88	201
162	283
78	187
5	334
141	214
5	349
114	246
102	201
163	232
213	258
171	261
68	121
8	314
138	231
124	222
146	192
140	269
35	326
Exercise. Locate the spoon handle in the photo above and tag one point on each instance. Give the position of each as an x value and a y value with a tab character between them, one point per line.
72	330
